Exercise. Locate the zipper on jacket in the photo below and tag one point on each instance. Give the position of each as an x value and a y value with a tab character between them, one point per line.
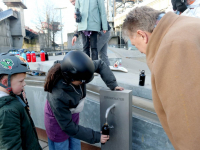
76	90
81	92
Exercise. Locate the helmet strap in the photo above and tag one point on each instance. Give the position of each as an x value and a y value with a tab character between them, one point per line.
8	88
3	86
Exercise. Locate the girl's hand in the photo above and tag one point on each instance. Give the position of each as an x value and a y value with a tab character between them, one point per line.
118	88
104	138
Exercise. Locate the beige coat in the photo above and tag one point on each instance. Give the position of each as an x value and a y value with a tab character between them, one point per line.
173	56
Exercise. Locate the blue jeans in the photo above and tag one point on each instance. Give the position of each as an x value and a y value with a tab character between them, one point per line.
69	144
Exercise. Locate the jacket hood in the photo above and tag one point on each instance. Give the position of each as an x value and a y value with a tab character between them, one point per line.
5	98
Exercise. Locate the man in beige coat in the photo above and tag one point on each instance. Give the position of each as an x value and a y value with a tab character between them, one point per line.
172	47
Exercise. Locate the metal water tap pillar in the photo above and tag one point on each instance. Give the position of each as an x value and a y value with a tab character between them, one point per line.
108	111
116	110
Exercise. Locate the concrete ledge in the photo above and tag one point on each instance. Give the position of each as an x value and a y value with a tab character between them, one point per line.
147	132
93	91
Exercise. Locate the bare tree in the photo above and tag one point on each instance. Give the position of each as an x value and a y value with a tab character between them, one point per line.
47	22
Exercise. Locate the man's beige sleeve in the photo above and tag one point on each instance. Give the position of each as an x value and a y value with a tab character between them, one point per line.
176	92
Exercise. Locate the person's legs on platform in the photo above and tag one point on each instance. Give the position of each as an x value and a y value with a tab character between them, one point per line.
74	144
103	54
93	45
58	145
86	44
102	46
51	144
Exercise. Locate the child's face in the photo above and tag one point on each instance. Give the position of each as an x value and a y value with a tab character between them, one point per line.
18	83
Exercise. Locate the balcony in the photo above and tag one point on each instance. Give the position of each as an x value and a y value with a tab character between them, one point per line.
15	3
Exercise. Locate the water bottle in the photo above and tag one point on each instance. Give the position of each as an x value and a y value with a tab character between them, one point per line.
33	56
105	130
23	55
78	16
46	56
142	78
28	56
42	55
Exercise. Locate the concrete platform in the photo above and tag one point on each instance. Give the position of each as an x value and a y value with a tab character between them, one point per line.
44	145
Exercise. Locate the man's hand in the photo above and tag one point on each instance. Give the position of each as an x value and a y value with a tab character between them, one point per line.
118	88
74	40
104	31
104	138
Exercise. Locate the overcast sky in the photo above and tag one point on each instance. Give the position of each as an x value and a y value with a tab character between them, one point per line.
67	15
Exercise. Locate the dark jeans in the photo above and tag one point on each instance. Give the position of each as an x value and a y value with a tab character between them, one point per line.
102	46
90	42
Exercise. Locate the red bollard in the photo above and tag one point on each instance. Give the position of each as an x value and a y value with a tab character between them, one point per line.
33	56
42	56
28	57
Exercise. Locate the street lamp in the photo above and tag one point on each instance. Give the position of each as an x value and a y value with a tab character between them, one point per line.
61	26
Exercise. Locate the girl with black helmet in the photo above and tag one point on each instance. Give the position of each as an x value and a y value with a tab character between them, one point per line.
17	130
66	87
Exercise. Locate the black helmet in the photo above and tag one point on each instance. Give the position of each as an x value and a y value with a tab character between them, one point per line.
77	66
9	65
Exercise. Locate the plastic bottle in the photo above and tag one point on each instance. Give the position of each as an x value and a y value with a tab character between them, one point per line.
23	55
33	56
42	55
78	16
142	78
28	56
46	56
105	130
120	63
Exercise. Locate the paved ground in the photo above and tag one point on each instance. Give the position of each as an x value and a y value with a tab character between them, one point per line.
44	145
133	60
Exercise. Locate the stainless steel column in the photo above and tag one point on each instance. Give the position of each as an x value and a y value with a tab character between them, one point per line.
120	117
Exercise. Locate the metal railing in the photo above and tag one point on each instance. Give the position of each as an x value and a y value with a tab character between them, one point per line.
115	33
